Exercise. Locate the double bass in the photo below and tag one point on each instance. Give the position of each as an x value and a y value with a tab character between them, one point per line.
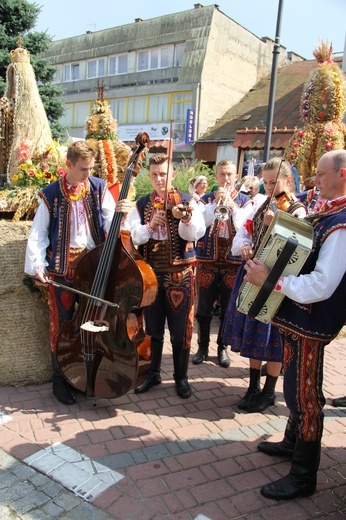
104	351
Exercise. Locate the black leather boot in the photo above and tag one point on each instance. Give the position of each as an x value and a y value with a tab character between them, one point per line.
253	390
154	377
339	402
181	363
264	370
265	398
61	388
222	354
203	335
302	478
284	448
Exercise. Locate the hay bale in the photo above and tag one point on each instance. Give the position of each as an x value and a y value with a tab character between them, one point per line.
25	356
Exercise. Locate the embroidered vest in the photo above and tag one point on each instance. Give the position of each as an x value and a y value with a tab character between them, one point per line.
208	247
321	320
60	208
180	252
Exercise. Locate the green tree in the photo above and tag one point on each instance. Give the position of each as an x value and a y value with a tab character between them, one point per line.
17	20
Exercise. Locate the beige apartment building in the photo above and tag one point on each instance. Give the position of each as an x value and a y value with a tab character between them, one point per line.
174	75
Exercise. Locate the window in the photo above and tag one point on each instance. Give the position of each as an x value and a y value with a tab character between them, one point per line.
122	64
180	104
112	66
137	110
178	54
82	112
67	72
164	58
71	72
58	76
96	68
179	111
118	64
143	60
118	108
158	108
66	119
153	59
183	96
92	68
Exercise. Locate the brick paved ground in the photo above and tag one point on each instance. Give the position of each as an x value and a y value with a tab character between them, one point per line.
177	459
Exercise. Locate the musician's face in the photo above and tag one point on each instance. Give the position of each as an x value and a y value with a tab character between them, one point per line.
158	174
331	183
269	180
226	174
79	171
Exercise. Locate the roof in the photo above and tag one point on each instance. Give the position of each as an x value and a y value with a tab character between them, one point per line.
255	138
246	121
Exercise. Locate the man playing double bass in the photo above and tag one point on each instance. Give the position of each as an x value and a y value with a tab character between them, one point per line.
166	235
73	217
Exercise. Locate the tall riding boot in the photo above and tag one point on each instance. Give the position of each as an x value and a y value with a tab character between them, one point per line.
253	390
61	388
181	363
302	478
265	398
203	338
222	354
153	377
284	448
264	370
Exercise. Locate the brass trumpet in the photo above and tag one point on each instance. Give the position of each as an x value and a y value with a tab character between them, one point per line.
222	212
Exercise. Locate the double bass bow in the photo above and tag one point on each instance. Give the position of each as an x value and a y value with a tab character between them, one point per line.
103	351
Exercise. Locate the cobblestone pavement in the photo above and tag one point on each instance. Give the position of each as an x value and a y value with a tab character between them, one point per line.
155	456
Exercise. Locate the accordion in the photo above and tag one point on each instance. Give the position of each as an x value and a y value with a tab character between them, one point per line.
284	250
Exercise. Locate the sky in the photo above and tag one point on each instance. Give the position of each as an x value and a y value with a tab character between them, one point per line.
304	23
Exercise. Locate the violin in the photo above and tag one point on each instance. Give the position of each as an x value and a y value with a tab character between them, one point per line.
173	201
173	198
283	201
103	351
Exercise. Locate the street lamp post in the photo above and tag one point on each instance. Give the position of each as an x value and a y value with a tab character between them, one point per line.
271	102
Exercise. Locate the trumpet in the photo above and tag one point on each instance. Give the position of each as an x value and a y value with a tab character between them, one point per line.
223	212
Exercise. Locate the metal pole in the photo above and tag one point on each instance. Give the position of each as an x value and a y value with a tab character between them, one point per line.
271	102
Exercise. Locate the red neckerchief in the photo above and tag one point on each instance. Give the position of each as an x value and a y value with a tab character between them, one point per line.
330	205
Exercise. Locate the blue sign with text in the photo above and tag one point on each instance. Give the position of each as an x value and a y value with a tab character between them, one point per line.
190	120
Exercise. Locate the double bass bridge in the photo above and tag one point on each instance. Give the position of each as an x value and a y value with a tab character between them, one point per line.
95	326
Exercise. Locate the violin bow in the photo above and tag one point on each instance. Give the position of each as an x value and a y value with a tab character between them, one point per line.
270	202
169	175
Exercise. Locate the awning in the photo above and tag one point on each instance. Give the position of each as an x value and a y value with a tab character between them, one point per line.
254	138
